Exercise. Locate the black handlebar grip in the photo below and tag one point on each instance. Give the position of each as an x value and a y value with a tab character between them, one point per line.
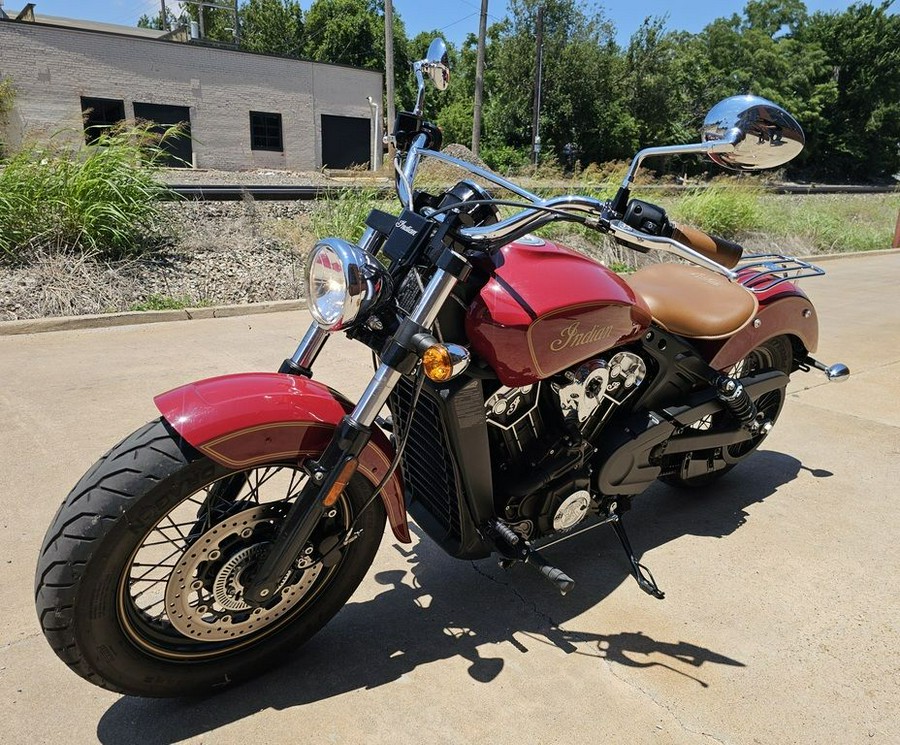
723	252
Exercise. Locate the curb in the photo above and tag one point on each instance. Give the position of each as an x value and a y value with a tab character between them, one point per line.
107	320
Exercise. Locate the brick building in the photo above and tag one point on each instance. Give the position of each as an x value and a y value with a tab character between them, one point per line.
244	110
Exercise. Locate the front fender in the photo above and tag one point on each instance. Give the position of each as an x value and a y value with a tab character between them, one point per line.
252	418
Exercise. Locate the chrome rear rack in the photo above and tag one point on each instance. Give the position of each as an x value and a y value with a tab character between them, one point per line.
762	272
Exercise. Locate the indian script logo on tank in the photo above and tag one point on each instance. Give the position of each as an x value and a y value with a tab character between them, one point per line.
572	336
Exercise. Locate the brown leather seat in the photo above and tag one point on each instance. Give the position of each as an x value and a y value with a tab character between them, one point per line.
694	302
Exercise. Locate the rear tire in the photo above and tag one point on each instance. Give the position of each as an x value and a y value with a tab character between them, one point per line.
138	585
773	354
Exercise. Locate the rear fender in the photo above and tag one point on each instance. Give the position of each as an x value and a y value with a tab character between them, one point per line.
785	312
244	420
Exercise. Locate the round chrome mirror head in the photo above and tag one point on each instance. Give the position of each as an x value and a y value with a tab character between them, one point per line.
437	64
763	134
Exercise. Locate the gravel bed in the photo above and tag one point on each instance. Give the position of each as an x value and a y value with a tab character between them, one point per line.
219	253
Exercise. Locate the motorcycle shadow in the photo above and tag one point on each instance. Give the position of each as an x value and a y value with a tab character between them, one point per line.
436	608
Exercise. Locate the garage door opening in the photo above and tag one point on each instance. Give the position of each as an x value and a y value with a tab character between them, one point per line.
178	152
346	141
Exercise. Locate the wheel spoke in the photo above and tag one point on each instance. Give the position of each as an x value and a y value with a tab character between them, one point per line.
246	518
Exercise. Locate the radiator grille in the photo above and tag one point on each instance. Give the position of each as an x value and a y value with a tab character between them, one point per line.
429	475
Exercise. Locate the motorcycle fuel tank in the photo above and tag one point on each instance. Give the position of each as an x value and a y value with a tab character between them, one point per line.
546	308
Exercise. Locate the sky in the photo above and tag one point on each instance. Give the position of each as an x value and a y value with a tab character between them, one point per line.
456	18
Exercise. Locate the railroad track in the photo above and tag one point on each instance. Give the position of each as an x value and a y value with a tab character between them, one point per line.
280	192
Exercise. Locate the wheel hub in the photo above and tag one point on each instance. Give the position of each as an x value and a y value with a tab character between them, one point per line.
204	594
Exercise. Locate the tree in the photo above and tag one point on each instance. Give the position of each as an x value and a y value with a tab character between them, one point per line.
661	76
582	90
155	22
351	32
272	27
859	135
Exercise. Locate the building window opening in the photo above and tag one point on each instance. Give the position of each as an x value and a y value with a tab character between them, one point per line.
100	114
265	131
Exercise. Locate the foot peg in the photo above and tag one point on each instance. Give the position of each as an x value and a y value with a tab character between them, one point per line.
515	548
835	373
641	573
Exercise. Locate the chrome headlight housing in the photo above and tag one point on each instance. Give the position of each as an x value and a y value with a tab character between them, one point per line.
343	283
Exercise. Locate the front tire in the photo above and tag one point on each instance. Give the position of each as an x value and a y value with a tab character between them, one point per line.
139	583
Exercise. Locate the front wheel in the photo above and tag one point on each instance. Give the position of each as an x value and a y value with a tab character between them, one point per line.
140	579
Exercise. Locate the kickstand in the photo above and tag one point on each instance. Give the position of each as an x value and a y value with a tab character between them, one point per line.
641	573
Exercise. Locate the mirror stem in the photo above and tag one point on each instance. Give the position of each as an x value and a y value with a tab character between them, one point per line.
714	146
420	96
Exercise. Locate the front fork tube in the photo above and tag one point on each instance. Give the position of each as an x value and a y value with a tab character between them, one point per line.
338	463
315	337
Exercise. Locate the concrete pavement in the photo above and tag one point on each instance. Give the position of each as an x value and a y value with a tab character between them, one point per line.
780	623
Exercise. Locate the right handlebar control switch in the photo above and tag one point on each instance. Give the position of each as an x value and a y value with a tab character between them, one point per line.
647	217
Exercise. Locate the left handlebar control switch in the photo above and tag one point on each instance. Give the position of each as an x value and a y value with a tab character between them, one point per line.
648	218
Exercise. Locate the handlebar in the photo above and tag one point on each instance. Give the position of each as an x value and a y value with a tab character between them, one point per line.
531	219
711	252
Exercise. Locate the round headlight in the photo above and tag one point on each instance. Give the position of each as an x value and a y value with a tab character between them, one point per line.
343	282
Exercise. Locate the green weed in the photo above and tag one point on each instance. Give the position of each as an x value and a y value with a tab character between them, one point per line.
102	199
163	302
344	215
834	223
721	209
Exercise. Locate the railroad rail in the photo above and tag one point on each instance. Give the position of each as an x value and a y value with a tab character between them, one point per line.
282	192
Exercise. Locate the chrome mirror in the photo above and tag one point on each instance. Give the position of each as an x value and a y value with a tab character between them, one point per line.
437	64
761	133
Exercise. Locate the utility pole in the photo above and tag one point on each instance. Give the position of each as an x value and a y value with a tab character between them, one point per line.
539	60
479	79
163	15
389	67
201	5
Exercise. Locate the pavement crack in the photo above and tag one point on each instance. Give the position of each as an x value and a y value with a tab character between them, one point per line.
660	704
17	642
527	603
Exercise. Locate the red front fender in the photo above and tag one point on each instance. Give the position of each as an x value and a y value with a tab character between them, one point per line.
252	418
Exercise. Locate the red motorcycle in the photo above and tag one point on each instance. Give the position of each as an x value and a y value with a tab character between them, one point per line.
532	394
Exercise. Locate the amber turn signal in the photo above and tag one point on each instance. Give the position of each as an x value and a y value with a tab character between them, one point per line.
437	363
340	483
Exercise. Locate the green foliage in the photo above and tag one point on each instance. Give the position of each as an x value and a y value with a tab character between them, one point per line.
272	27
859	136
7	96
836	72
7	99
162	302
582	82
504	158
833	223
103	199
156	21
727	210
344	215
351	32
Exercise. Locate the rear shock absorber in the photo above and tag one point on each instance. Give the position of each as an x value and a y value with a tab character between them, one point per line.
738	402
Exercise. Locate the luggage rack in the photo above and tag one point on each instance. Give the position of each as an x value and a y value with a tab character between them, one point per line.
762	272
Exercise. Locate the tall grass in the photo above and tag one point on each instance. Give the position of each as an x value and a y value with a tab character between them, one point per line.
721	209
344	215
7	99
102	199
834	223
